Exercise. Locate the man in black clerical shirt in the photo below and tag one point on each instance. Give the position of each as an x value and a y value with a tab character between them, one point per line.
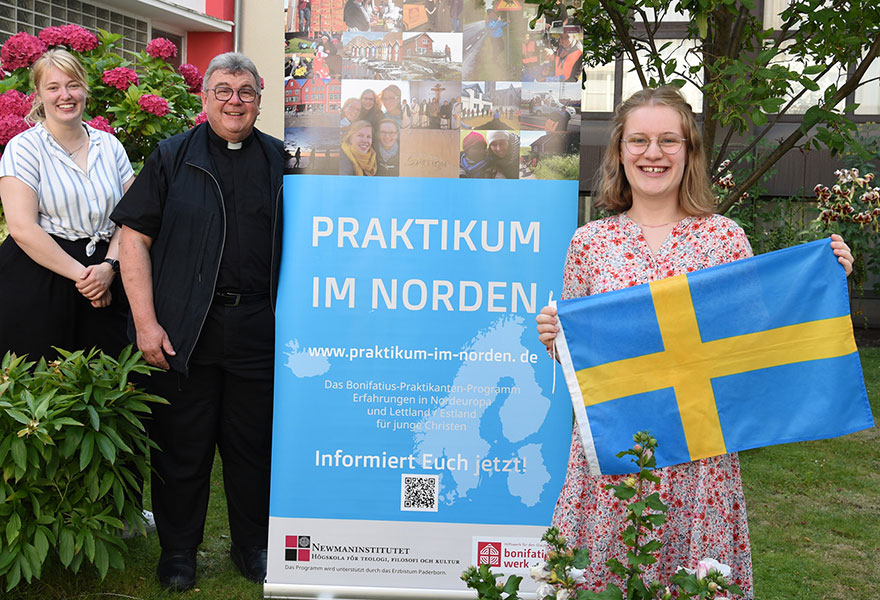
199	254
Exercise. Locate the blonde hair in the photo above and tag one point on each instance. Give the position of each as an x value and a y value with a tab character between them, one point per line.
356	126
613	191
65	62
348	103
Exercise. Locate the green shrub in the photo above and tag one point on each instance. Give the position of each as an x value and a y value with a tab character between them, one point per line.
73	452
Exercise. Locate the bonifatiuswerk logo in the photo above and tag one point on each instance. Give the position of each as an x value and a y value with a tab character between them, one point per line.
489	554
298	548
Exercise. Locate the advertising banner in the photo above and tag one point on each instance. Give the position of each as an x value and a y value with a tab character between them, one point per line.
430	194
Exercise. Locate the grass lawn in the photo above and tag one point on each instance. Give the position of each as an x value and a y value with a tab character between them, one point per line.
814	514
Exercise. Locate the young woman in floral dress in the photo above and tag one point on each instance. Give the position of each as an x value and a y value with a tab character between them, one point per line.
654	177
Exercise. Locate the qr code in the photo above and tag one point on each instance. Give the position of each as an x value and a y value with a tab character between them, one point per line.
419	492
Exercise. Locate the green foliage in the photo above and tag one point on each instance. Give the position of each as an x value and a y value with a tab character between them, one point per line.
865	154
488	585
73	452
851	208
561	577
750	74
775	223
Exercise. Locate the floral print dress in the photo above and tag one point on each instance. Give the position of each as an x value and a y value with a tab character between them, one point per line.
707	513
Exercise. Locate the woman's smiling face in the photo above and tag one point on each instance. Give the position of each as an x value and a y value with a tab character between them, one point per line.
362	139
655	174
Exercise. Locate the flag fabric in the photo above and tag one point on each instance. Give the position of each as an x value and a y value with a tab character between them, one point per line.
747	354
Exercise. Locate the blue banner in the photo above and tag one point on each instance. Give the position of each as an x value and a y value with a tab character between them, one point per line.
410	383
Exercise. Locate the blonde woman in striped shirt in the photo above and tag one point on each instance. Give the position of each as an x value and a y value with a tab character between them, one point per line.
59	182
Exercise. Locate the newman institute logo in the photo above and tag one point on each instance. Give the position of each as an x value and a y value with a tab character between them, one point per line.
297	547
489	554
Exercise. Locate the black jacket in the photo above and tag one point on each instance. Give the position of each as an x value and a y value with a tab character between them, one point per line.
177	201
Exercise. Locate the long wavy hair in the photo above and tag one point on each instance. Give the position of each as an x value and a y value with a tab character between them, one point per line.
613	190
65	62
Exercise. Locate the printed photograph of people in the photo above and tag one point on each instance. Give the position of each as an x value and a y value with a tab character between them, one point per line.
369	15
431	56
490	105
549	155
372	101
551	106
357	155
311	150
433	105
492	43
556	23
388	148
381	113
489	155
432	15
552	57
371	55
298	16
315	56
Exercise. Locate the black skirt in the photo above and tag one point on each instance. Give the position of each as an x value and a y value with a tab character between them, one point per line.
40	309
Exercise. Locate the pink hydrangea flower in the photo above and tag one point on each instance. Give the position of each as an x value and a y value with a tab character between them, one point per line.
11	126
21	50
191	76
120	78
102	124
202	117
154	104
79	39
13	102
53	36
161	48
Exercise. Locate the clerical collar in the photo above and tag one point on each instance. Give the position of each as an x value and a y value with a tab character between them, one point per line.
222	143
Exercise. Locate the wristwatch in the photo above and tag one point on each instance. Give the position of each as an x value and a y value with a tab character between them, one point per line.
113	263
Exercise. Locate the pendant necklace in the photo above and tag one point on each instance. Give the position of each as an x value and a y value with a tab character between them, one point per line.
69	153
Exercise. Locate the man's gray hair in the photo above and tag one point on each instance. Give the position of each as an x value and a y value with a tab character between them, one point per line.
233	62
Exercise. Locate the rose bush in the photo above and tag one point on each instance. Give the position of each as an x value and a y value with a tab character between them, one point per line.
142	101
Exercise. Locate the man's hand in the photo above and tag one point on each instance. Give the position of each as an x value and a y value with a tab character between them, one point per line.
103	301
152	341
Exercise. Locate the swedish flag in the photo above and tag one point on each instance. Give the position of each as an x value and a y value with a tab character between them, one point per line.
746	354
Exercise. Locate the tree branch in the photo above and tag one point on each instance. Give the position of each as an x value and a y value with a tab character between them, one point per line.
771	125
846	89
622	29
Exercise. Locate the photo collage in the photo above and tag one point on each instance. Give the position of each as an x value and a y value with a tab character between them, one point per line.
431	88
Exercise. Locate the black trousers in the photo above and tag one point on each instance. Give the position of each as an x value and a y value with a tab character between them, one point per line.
40	309
224	403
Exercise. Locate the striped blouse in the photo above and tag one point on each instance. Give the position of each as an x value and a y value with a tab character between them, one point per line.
73	204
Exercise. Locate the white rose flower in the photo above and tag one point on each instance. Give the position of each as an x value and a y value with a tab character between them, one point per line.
545	590
540	572
562	594
706	565
578	576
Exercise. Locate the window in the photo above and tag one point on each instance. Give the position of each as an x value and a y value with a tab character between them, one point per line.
598	94
835	76
32	16
868	94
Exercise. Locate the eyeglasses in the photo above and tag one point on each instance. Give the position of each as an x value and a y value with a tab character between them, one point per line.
669	143
223	94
